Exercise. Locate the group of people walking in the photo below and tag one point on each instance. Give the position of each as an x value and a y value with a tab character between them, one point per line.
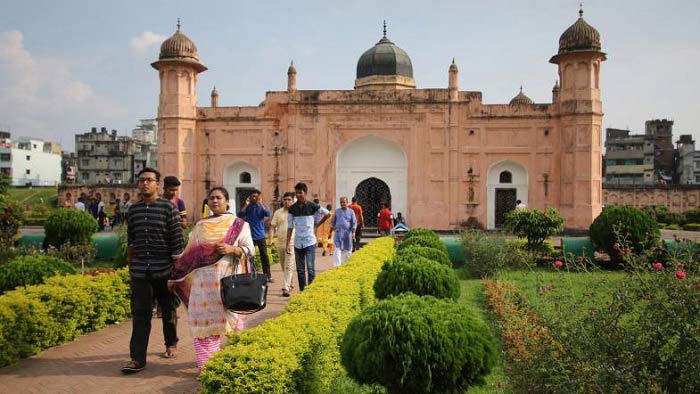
165	269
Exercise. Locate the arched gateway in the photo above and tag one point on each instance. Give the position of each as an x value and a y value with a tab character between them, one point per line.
374	170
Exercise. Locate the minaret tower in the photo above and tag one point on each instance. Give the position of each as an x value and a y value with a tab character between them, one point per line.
580	108
214	98
453	81
178	65
291	78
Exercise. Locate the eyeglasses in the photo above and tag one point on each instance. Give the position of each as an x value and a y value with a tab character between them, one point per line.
147	180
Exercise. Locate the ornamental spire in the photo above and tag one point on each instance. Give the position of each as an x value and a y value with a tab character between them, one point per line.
178	24
384	27
580	10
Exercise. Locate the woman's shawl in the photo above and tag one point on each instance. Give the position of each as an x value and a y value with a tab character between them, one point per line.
198	256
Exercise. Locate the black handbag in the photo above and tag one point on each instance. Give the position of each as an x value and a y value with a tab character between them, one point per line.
244	293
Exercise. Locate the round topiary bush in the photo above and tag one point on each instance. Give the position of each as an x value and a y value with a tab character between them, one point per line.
69	226
10	220
412	344
417	275
421	232
631	226
426	241
31	270
428	253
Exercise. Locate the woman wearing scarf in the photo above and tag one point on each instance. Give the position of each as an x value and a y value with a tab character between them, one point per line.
215	245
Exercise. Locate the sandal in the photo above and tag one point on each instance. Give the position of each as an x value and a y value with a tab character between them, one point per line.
133	366
170	352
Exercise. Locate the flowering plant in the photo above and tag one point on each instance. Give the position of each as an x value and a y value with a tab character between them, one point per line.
10	220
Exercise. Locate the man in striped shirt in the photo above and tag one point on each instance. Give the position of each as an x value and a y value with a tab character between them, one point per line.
155	239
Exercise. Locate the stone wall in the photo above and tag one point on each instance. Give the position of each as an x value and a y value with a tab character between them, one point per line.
677	198
109	193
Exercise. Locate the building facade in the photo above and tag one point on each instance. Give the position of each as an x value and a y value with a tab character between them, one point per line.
440	156
104	157
688	161
30	161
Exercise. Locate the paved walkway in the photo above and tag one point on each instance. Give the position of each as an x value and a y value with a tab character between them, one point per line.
91	363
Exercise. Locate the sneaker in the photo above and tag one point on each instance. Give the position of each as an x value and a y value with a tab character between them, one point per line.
133	366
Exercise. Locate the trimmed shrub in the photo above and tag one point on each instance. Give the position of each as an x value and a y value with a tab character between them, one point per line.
424	251
427	241
484	255
691	227
628	226
40	316
666	216
421	232
299	350
412	344
692	216
69	226
535	225
672	227
417	275
31	270
10	220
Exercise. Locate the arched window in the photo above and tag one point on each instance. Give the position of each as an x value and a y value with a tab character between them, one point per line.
244	177
505	177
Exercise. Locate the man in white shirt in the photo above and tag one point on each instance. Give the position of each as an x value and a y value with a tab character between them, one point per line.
80	205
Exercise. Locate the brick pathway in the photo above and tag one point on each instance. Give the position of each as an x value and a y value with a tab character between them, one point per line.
91	363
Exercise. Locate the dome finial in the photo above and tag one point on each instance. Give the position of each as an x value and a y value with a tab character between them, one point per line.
521	88
384	27
580	10
178	24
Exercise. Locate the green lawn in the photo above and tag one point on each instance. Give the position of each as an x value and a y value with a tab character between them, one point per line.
559	295
38	202
473	297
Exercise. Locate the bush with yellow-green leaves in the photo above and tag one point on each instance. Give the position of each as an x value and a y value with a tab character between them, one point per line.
299	351
36	317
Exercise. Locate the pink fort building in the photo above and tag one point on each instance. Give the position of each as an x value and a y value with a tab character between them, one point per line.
441	157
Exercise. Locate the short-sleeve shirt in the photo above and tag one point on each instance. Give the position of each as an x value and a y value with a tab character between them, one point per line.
255	215
180	204
301	219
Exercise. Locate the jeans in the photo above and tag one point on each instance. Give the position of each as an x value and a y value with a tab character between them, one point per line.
264	258
143	291
306	260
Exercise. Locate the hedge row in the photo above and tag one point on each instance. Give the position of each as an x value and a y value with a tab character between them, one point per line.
36	317
299	351
31	270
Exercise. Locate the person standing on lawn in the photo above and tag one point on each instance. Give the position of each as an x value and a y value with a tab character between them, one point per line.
254	212
301	222
343	224
155	240
278	227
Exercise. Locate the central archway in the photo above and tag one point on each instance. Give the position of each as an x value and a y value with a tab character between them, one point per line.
371	194
373	159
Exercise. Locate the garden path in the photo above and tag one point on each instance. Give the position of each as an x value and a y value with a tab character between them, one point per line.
91	363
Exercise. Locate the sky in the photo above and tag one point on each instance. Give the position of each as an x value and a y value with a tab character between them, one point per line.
67	66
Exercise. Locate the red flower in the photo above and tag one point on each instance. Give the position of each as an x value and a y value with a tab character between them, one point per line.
558	264
681	266
658	266
616	246
680	274
626	250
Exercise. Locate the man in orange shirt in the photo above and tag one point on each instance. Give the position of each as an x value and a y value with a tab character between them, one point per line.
385	221
360	222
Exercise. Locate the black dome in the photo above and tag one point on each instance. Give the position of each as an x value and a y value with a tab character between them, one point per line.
384	58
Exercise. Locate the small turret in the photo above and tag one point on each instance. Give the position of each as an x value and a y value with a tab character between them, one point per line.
291	78
214	98
555	92
453	81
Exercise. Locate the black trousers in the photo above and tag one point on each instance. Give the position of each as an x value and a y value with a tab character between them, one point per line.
358	237
264	258
143	291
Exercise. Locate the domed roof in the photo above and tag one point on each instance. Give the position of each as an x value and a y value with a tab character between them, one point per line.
579	37
178	46
521	99
179	49
384	58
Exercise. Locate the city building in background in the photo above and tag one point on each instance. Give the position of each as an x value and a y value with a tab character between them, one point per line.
30	161
641	159
69	163
146	131
103	157
688	161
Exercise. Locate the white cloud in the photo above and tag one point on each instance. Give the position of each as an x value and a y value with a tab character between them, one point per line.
41	97
147	39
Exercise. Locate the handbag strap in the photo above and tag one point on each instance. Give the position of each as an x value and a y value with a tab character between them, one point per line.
249	268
